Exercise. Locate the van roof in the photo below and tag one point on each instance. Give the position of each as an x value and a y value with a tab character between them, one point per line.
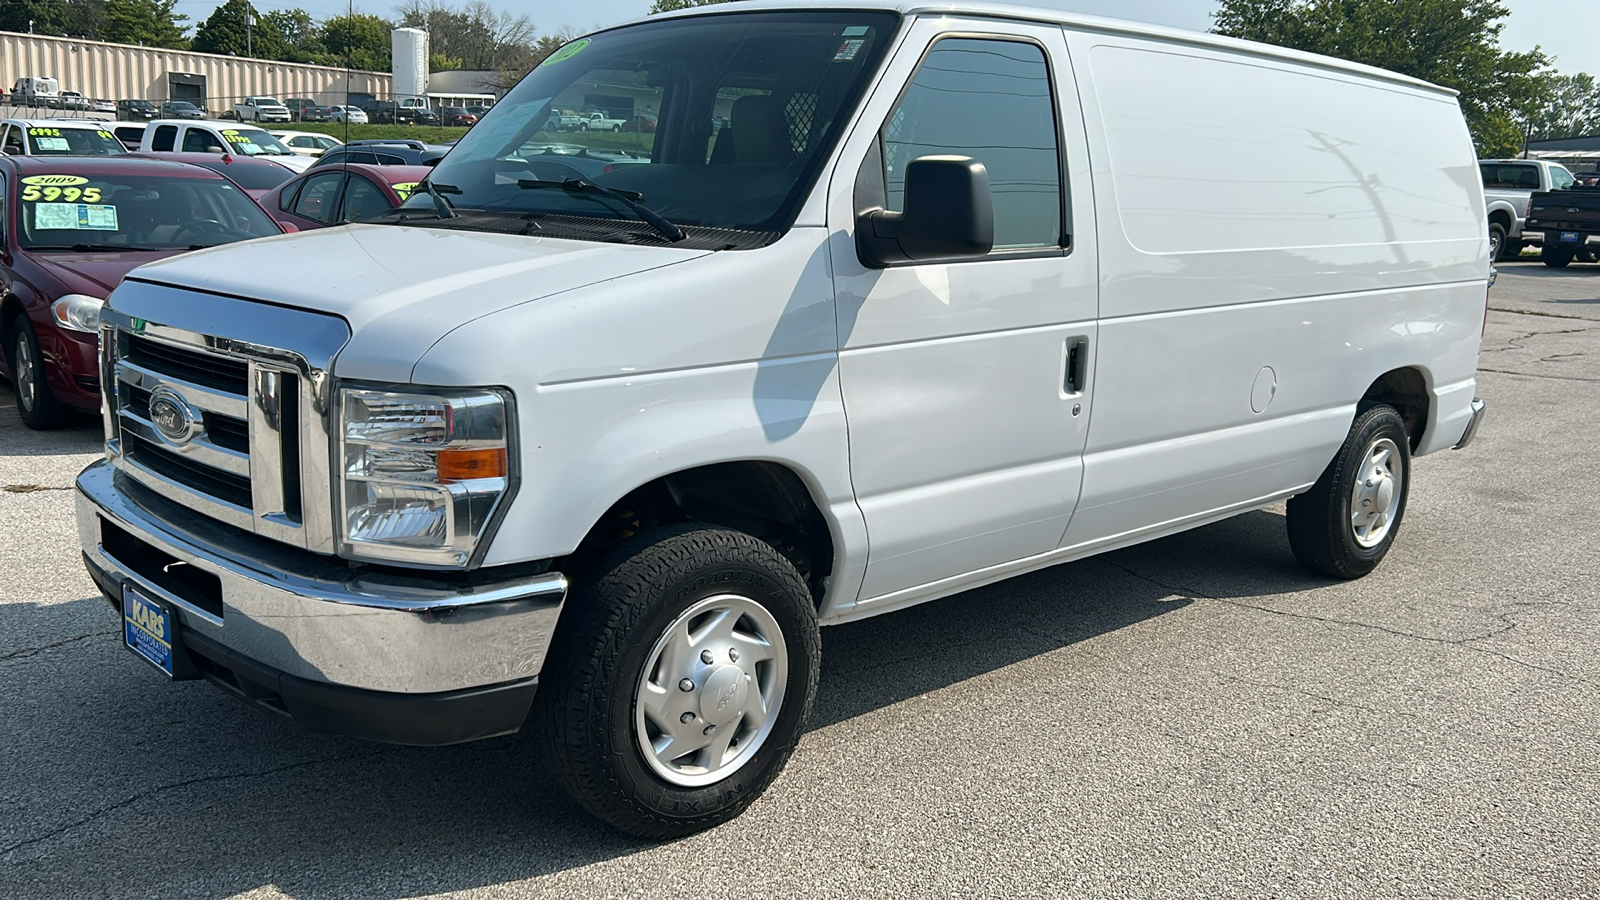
1016	11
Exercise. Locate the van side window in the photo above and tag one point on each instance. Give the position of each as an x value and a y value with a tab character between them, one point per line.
164	137
990	100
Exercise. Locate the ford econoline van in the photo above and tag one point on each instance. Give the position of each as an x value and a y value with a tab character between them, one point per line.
955	292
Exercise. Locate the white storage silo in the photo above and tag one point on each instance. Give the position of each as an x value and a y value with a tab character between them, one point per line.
409	47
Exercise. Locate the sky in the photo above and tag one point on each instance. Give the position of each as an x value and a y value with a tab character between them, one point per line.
1564	29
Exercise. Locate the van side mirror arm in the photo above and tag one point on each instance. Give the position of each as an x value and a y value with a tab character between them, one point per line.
949	214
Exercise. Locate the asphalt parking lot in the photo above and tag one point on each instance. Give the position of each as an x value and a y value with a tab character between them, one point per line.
1194	717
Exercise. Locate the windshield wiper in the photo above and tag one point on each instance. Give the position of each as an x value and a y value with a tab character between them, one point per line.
579	186
439	203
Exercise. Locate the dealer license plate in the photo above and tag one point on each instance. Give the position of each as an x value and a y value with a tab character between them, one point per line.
1570	237
147	628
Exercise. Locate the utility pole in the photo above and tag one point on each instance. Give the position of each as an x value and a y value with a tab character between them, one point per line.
249	43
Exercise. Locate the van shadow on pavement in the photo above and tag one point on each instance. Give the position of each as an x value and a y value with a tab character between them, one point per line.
119	783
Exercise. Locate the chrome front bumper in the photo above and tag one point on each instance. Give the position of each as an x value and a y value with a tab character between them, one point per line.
314	617
1478	407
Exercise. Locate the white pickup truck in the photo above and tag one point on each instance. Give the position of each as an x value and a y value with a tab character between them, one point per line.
593	121
261	109
1508	184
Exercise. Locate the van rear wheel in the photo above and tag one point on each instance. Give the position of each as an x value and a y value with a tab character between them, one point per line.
680	681
1347	522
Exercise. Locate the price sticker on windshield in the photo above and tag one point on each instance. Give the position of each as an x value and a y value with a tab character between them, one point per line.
75	217
566	53
52	188
405	188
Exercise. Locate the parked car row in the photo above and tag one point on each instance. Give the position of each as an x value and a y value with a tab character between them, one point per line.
80	224
93	199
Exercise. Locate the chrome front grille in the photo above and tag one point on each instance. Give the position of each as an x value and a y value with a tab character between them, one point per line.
221	405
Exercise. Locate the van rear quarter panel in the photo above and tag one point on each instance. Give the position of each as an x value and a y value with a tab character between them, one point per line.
1272	227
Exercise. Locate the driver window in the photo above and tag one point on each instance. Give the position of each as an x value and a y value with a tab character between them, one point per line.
990	100
362	201
13	142
319	197
196	140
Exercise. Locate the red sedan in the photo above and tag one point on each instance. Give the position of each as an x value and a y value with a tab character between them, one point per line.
70	229
337	195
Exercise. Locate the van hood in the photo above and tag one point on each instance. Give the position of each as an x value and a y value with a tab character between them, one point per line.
402	288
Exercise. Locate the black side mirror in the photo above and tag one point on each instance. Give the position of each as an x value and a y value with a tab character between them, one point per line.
949	214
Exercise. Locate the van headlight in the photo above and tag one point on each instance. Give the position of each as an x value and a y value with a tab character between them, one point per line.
422	473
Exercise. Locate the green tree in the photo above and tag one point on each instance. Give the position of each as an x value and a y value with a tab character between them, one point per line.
661	6
227	33
361	39
1571	109
67	18
301	38
152	23
1455	43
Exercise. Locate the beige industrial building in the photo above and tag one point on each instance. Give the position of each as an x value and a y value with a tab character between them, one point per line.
116	71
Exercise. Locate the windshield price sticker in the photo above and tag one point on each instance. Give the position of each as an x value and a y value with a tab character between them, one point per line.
51	188
74	217
405	188
51	143
44	132
566	53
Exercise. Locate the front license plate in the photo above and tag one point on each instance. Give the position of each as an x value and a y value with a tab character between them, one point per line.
1569	237
147	629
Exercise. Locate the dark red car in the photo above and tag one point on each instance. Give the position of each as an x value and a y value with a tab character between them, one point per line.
256	175
336	195
70	229
456	115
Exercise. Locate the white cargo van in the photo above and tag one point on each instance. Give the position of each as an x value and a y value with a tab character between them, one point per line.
956	292
32	90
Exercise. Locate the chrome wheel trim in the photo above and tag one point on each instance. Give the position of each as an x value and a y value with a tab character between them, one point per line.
23	371
710	691
1375	497
1495	243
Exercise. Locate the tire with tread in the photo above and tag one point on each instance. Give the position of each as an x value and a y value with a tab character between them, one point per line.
584	713
1319	520
46	411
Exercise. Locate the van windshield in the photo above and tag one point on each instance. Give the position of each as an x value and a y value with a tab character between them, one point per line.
718	122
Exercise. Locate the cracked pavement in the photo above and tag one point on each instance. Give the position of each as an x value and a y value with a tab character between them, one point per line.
1192	717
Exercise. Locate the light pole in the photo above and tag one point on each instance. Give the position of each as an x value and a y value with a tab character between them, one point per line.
249	43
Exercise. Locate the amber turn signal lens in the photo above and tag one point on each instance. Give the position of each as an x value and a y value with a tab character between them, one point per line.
461	465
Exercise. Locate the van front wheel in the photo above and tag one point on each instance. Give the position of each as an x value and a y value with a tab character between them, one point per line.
680	681
1347	522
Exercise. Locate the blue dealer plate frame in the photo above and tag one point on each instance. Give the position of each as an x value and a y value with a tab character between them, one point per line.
1570	237
148	628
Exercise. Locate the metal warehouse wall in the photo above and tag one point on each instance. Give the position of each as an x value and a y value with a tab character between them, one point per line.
117	71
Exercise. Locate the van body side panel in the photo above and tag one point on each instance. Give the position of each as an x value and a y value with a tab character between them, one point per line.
727	357
965	450
1273	239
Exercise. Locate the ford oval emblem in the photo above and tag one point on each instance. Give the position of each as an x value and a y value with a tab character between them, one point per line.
171	415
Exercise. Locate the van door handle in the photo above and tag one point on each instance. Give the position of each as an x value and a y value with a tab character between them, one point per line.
1076	356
